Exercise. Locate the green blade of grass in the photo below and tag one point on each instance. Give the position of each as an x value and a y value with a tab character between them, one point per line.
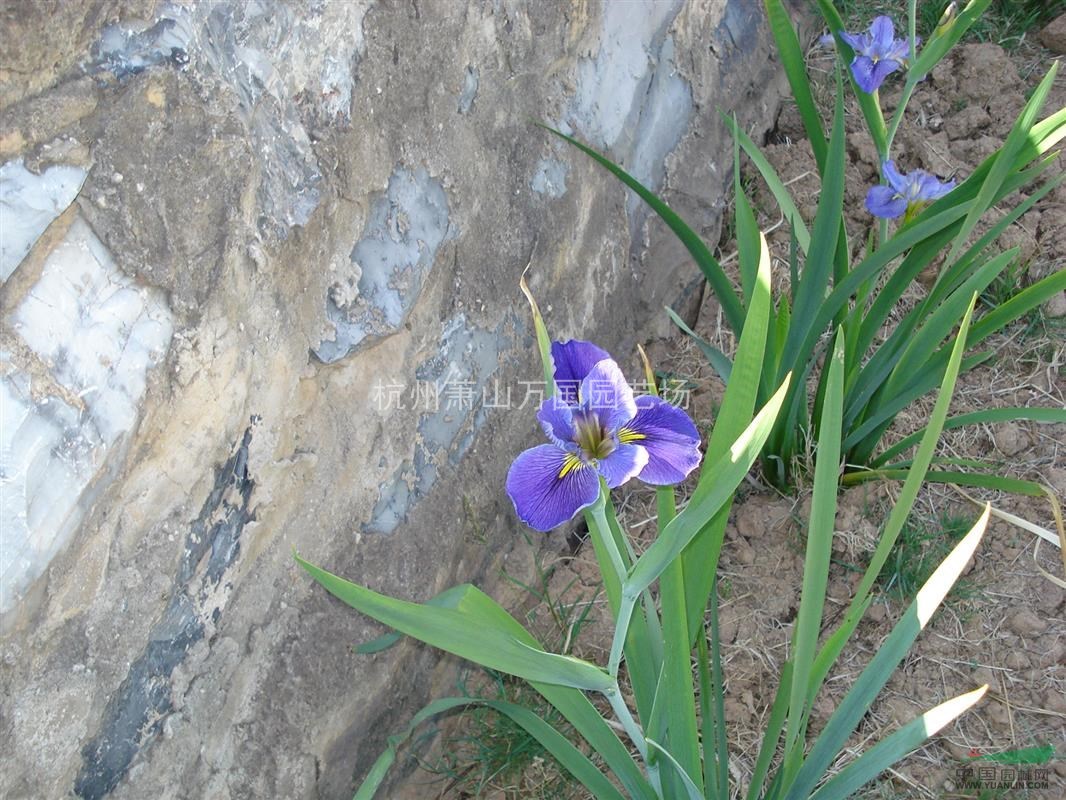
814	281
776	343
544	345
708	264
961	269
1020	304
773	182
831	650
708	726
691	789
579	712
449	598
720	731
889	655
569	757
738	404
977	480
861	442
771	734
875	425
905	353
747	230
791	55
718	360
987	416
680	711
482	612
822	524
467	635
895	747
722	479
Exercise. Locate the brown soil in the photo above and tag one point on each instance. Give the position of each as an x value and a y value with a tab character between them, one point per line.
1006	626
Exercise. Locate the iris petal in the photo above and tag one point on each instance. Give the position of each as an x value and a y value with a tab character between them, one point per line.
669	436
862	69
624	462
882	201
556	418
929	186
605	391
882	69
854	41
544	494
883	32
901	50
574	360
893	176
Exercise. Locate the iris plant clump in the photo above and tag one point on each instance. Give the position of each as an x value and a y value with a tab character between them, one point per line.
828	330
676	744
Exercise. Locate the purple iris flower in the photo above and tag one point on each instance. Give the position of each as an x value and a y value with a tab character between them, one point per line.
597	428
905	194
877	53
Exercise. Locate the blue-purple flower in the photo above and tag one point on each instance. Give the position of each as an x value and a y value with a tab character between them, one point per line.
905	194
877	53
597	428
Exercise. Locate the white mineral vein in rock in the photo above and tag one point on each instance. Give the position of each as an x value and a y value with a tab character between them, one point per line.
28	204
611	87
98	333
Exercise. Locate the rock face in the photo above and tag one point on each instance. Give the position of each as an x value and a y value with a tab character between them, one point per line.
260	265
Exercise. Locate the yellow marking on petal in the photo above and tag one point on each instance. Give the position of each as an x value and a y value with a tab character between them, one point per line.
625	435
570	463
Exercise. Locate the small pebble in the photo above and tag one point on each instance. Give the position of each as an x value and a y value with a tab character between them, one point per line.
1016	659
1027	623
1011	439
1055	308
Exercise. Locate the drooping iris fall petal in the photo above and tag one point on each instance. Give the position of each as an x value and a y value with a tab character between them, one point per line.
624	462
548	488
669	436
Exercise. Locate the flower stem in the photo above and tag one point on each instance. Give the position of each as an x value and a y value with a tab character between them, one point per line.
621	631
897	115
600	528
632	729
909	83
598	512
912	25
635	734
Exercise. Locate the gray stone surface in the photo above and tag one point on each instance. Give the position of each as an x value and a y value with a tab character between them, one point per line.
263	297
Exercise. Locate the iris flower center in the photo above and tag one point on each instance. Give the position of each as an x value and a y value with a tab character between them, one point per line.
592	436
